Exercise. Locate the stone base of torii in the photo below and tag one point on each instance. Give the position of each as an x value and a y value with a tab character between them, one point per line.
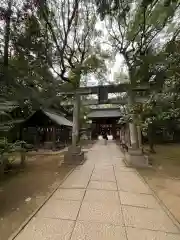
133	154
74	156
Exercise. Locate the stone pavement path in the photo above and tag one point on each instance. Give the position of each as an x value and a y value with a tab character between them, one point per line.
102	200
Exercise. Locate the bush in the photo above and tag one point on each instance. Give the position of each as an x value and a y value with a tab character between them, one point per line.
6	150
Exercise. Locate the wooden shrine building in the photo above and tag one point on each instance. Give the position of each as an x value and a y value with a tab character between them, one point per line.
48	129
105	120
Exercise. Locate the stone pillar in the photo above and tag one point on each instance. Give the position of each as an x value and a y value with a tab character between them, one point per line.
133	136
78	117
128	140
132	125
134	157
74	155
128	135
139	136
75	120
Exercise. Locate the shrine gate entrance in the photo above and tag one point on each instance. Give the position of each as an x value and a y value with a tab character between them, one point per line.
74	153
134	94
105	120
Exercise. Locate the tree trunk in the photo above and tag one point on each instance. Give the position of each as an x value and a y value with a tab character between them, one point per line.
6	40
2	167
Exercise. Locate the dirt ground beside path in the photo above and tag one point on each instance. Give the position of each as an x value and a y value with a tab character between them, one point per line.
167	189
23	192
164	176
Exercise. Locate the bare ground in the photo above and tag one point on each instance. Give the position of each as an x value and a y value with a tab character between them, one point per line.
22	192
164	176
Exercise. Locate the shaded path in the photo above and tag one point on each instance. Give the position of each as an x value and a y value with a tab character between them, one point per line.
102	200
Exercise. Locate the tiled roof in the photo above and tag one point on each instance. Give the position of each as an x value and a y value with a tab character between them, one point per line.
59	119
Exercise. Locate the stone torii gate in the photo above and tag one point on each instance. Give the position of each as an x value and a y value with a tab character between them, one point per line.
74	154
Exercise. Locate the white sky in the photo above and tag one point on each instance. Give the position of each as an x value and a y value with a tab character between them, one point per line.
119	66
115	67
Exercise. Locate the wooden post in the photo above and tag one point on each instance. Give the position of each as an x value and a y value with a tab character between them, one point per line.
54	137
23	155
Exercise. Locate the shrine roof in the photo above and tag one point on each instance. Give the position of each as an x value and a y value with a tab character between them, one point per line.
59	119
105	113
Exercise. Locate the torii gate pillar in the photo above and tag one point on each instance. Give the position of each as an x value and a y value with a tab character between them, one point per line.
74	155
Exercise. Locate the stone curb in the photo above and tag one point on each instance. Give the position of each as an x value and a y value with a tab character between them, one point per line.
30	154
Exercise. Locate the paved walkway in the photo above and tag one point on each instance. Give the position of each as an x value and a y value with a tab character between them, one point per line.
101	200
